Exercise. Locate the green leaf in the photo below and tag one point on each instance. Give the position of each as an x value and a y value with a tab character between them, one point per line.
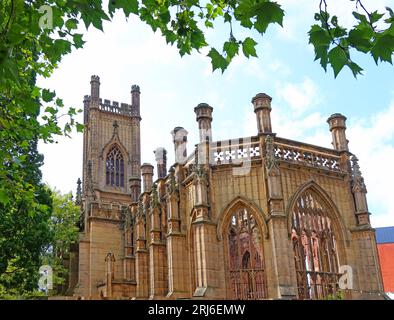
360	17
78	41
320	39
208	24
128	6
16	34
231	48
171	37
334	21
31	106
356	69
383	48
197	39
375	16
79	127
9	70
4	198
360	40
338	59
266	13
217	60
339	32
47	95
248	47
71	24
319	36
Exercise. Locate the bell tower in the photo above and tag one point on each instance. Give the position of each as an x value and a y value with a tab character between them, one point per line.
110	183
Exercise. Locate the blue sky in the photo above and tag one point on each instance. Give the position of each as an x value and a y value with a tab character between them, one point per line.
304	96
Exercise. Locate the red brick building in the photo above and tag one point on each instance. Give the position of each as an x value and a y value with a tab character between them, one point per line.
385	241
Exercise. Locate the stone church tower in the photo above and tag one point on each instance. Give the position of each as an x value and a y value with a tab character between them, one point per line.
111	182
256	217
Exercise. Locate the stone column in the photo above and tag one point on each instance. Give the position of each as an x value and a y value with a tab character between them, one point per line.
204	118
161	159
262	109
207	272
157	251
129	243
135	188
337	124
147	176
179	138
109	272
282	252
135	98
135	154
177	252
142	254
95	88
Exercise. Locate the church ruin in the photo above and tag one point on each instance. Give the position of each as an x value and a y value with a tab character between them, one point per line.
261	217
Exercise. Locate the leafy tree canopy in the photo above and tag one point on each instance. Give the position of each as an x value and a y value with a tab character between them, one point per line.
63	227
35	35
33	237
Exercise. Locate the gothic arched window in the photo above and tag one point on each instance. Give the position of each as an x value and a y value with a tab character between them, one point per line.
245	257
114	166
315	247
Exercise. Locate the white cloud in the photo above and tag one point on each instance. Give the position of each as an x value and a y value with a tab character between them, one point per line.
299	96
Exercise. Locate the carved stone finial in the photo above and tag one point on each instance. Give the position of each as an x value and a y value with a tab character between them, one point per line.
89	180
141	211
154	200
135	88
110	257
200	173
116	126
78	198
95	78
358	184
171	185
125	218
271	162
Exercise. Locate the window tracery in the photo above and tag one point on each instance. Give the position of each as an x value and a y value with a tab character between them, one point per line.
315	247
245	257
114	168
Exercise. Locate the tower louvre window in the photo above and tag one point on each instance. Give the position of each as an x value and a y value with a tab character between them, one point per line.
114	168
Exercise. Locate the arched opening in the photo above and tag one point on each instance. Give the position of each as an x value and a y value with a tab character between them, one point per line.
314	235
114	166
245	266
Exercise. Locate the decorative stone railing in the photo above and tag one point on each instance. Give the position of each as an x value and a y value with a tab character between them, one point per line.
123	109
235	151
307	155
243	151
